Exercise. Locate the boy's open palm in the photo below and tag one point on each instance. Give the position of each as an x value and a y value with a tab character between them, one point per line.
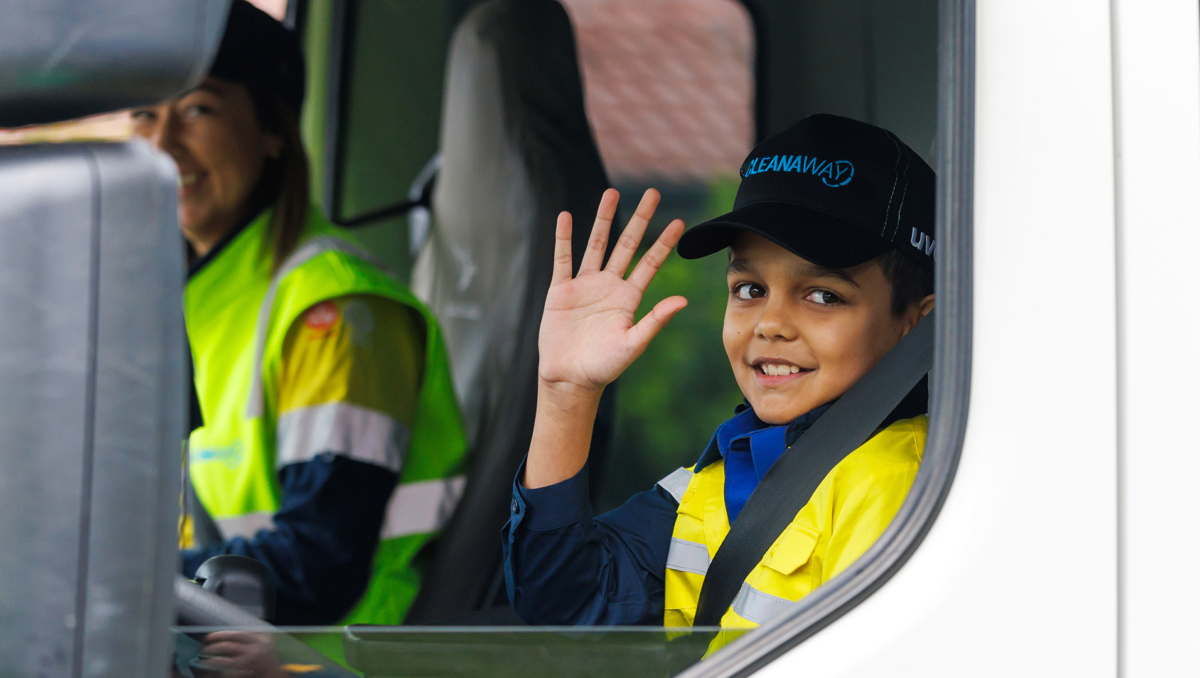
588	335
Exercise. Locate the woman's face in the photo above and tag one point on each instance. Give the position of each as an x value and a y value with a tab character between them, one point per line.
215	138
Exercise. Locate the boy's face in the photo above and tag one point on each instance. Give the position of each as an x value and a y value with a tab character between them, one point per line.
799	335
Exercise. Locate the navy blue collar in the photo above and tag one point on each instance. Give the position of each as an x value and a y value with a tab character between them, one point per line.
767	443
915	403
750	448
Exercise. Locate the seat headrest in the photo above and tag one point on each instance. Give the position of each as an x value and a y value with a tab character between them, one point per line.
516	150
63	59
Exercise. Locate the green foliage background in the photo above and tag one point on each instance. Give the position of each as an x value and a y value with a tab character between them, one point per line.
672	399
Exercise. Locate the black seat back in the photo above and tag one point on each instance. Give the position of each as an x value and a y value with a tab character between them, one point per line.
516	150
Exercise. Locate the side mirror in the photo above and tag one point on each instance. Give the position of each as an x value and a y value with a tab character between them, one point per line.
241	581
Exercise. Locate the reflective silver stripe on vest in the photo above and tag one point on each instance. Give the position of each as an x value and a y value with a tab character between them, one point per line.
303	254
421	507
245	525
757	606
345	429
676	483
687	556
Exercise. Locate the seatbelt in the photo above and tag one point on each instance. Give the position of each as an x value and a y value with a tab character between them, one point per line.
790	483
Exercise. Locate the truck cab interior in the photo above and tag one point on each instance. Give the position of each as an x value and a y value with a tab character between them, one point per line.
505	119
449	134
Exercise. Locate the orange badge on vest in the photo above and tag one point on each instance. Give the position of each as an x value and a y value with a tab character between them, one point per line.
322	316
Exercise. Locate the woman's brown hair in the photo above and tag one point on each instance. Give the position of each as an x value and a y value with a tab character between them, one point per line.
284	183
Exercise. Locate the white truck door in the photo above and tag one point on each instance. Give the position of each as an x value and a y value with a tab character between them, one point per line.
1157	115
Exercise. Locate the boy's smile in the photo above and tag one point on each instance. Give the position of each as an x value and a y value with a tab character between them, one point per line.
799	335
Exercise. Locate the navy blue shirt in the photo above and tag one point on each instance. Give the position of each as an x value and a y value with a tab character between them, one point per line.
320	552
562	566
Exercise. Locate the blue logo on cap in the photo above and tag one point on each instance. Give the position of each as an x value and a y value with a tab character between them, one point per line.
832	173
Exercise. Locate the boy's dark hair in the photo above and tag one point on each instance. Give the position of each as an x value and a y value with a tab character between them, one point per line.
911	282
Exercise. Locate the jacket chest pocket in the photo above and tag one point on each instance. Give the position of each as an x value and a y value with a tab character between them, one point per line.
792	551
784	576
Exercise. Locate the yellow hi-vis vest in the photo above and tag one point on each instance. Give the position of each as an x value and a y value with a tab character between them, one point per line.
238	315
850	509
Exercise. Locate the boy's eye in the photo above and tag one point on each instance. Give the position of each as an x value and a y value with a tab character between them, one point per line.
747	291
142	116
823	297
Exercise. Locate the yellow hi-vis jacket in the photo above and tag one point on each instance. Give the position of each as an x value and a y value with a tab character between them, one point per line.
238	315
849	510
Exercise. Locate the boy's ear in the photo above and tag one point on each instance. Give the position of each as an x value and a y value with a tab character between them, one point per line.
926	304
922	309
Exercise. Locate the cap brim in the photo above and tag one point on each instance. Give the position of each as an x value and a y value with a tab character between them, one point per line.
811	235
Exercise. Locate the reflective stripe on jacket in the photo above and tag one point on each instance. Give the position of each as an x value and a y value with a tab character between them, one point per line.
849	510
238	315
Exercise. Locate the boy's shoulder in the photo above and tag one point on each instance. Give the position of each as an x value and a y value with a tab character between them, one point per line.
900	443
898	448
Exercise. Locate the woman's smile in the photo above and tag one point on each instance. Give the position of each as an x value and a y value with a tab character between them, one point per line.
191	182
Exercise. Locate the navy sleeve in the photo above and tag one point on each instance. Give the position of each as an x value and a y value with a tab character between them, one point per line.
320	552
562	567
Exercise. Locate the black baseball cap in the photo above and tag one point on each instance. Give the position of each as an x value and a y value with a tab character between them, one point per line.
260	53
834	191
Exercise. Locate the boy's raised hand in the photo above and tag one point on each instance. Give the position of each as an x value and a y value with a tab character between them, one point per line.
588	335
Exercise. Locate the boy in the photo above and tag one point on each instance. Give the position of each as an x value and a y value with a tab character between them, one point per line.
831	243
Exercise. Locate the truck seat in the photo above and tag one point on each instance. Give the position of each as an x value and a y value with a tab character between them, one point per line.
516	149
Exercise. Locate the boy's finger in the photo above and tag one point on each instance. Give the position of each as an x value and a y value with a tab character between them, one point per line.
658	317
631	237
562	249
593	257
653	259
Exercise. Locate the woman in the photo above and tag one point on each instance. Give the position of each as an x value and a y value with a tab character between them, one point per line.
332	440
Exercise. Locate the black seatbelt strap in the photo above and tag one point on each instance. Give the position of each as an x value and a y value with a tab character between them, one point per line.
792	480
